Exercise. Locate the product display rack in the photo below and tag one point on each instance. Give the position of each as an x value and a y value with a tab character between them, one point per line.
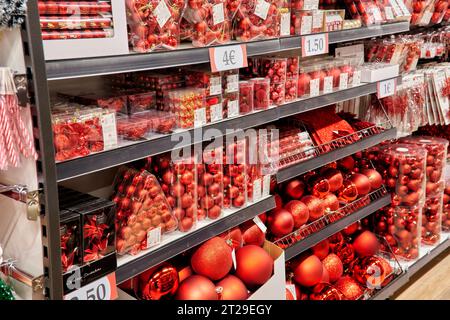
39	72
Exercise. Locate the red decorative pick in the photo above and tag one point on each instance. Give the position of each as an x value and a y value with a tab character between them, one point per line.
96	251
93	230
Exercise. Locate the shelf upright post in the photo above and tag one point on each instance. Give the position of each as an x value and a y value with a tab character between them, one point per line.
46	167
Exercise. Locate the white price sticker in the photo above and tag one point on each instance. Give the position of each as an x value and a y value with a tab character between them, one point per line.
109	130
328	84
310	5
396	8
233	257
356	78
228	57
215	86
389	13
162	13
306	25
216	112
262	8
260	224
403	7
233	108
314	44
233	83
218	15
386	88
377	14
256	190
266	185
343	81
199	117
102	289
285	24
154	237
314	86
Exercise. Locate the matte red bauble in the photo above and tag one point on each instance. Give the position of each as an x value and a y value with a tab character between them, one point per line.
232	288
254	266
347	163
315	207
366	244
212	259
308	271
252	234
325	291
351	229
295	189
361	182
331	202
299	211
158	282
334	266
197	287
281	223
349	287
233	238
321	249
374	177
335	179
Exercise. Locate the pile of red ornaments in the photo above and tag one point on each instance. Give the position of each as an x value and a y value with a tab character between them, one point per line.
318	198
347	266
446	209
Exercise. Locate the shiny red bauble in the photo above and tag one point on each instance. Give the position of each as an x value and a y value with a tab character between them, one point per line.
374	177
315	207
361	182
366	244
334	266
252	234
212	259
370	271
347	163
281	223
335	179
232	288
351	229
330	202
295	189
321	249
254	266
349	287
325	292
197	287
308	271
299	211
158	282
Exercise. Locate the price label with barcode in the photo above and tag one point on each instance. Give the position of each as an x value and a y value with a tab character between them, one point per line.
102	289
216	112
386	88
233	108
314	44
228	57
199	117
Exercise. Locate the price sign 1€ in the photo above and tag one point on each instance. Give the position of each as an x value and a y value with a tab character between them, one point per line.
228	57
386	88
102	289
314	44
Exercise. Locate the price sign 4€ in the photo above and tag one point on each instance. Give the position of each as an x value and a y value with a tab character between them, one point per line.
386	88
314	44
228	57
102	289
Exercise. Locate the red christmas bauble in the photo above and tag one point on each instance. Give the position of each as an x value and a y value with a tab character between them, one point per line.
158	282
374	177
345	252
335	179
351	229
370	272
349	287
278	201
233	238
361	182
212	259
330	202
334	266
347	163
232	288
254	266
366	244
321	249
197	287
325	275
308	271
295	189
325	291
299	212
315	207
252	234
281	223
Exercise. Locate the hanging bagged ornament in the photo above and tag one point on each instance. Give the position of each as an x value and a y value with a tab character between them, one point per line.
12	13
15	139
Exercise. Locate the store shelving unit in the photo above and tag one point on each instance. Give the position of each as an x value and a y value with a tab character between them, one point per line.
39	72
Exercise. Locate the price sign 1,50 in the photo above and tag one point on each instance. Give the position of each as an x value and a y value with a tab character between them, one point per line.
228	57
314	44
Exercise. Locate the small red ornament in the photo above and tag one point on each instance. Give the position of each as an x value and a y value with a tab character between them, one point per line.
232	288
197	287
315	207
321	249
308	271
295	189
325	291
374	177
361	182
254	266
349	287
366	244
335	179
158	282
281	223
299	211
334	266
